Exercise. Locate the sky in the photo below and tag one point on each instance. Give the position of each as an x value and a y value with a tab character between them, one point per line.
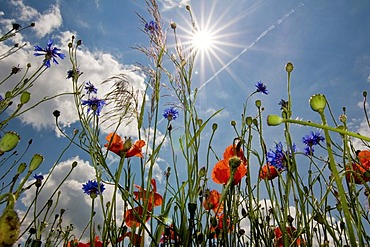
328	43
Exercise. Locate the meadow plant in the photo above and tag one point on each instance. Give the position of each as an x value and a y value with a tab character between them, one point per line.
281	207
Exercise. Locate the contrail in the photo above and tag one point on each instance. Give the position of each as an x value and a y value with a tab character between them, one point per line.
263	34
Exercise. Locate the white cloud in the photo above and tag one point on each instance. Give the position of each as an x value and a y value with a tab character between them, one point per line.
169	4
96	67
49	21
26	13
77	205
45	22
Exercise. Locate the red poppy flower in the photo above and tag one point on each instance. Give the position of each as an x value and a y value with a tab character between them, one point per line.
357	171
97	243
117	146
364	158
221	171
268	171
279	236
135	239
133	216
154	199
213	201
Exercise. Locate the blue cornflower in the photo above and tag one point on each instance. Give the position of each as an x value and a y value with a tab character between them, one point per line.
261	88
38	177
170	113
278	158
49	53
151	27
311	140
90	88
92	188
94	104
71	73
1	98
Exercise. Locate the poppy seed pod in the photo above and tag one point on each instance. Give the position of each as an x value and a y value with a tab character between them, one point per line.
9	224
289	67
318	102
9	141
21	168
36	161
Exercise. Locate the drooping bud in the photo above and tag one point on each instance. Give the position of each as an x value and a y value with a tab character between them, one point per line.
36	161
274	120
9	141
318	102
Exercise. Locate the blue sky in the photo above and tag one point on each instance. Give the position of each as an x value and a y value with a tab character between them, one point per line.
327	41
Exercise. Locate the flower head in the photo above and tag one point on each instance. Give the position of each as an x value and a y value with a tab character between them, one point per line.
117	146
94	104
311	140
221	171
213	201
171	113
49	53
90	88
278	157
151	27
71	73
134	216
97	243
291	232
92	188
261	88
38	177
359	171
268	171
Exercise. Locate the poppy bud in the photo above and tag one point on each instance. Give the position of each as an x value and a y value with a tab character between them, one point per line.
36	161
21	168
173	25
9	141
248	121
258	103
318	102
74	164
202	172
274	120
214	126
233	123
289	67
364	93
25	97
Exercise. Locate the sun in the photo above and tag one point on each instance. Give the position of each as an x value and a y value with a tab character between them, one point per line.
203	40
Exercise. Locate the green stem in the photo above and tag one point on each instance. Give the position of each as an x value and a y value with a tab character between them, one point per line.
341	192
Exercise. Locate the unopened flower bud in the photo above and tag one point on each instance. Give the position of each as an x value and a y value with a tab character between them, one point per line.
249	121
25	97
36	161
289	67
79	42
21	168
364	93
274	120
173	25
56	113
74	164
318	102
258	103
187	7
233	123
214	126
9	141
202	172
